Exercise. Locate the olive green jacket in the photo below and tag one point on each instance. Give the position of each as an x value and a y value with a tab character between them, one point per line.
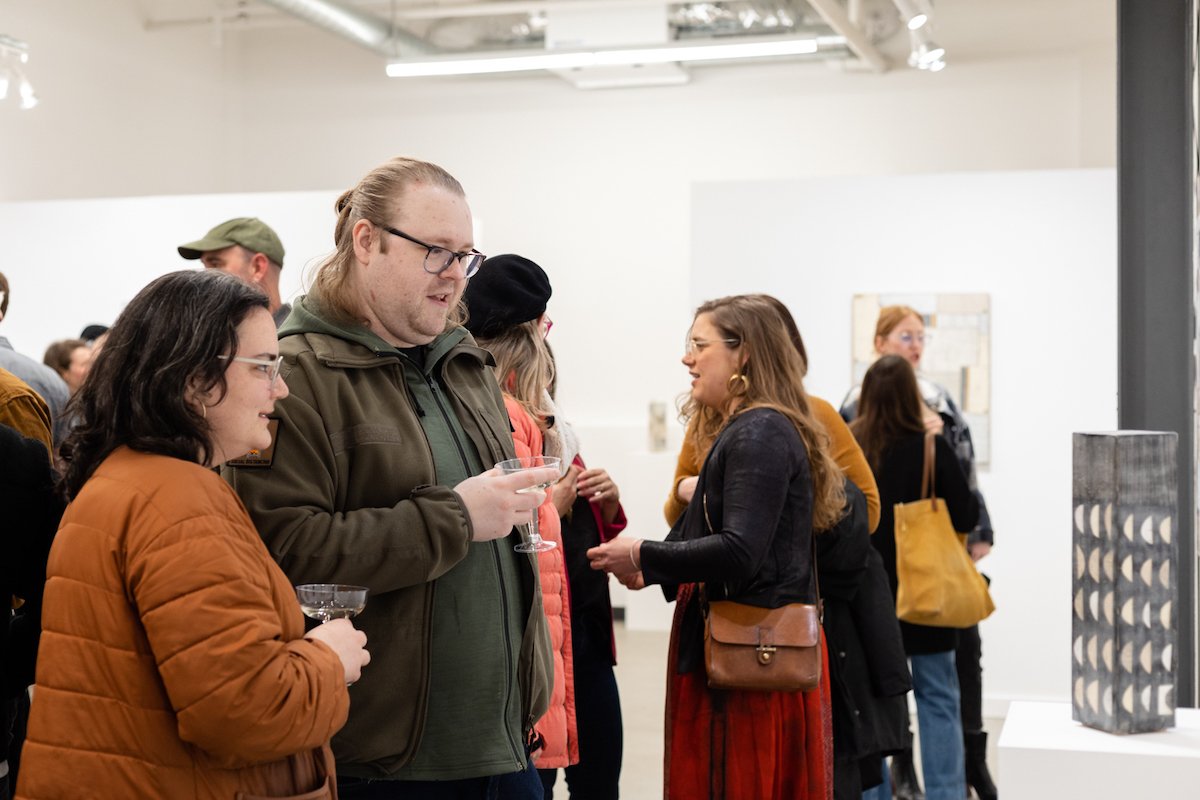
347	494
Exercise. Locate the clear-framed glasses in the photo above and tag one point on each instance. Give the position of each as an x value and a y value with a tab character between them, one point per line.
546	325
439	259
694	345
909	338
269	367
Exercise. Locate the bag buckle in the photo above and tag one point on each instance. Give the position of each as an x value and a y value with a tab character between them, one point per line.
765	654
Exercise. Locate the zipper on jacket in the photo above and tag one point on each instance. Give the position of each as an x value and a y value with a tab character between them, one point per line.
508	654
437	396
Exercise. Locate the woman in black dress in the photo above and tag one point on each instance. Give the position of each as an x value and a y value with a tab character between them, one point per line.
892	435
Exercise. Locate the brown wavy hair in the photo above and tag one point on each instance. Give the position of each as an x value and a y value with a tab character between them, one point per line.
889	407
774	373
58	354
376	198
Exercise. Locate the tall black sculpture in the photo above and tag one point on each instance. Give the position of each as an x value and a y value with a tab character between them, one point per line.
1125	558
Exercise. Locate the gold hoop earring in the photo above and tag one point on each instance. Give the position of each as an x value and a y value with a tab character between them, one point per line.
737	376
203	411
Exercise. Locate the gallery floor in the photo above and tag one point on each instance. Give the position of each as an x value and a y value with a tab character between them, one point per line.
641	676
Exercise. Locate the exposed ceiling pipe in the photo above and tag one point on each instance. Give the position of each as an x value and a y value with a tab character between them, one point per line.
356	25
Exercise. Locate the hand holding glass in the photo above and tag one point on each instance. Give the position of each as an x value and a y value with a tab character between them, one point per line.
326	601
532	540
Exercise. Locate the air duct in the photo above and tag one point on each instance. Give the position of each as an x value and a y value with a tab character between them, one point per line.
356	25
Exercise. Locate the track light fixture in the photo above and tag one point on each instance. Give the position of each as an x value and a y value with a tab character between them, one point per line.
925	53
914	13
14	54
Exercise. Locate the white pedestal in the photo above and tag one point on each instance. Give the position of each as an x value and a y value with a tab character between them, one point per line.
1045	754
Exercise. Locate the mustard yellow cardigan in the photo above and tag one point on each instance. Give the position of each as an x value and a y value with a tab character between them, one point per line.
843	448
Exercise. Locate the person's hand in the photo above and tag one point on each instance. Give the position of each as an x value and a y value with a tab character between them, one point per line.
979	549
598	487
634	581
348	642
564	492
620	556
933	421
493	503
687	488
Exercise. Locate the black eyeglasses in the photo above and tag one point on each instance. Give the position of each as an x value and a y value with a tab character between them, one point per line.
439	259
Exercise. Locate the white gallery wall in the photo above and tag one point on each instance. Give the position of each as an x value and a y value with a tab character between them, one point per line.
602	188
1043	246
61	280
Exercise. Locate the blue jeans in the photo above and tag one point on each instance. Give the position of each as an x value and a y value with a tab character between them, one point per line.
935	683
884	790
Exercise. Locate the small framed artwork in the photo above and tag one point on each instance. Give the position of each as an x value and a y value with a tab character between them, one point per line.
957	352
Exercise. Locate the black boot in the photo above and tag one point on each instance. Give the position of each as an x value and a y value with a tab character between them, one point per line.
978	777
905	785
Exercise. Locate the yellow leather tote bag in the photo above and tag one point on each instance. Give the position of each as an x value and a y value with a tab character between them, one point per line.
938	582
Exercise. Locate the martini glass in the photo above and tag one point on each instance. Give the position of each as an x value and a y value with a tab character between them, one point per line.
532	541
326	601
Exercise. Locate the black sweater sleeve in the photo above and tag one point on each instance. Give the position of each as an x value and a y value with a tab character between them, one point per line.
952	487
753	471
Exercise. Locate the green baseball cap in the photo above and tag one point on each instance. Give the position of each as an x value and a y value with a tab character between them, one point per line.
249	232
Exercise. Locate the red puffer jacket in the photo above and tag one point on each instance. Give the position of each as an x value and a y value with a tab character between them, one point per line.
558	725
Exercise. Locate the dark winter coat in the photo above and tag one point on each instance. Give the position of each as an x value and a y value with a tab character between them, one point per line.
868	672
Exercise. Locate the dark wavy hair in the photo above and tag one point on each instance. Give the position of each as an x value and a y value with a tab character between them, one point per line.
889	407
167	339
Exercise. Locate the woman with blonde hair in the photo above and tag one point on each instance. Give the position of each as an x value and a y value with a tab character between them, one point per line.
766	484
506	307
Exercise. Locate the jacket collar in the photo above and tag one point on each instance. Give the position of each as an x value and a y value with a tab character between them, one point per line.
336	346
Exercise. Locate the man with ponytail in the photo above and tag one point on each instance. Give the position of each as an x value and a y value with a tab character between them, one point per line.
382	476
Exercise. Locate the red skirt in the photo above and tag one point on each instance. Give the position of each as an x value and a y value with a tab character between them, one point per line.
739	745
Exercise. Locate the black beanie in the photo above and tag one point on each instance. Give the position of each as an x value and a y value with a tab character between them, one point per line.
507	291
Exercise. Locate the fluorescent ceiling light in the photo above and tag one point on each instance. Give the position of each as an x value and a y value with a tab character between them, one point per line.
532	60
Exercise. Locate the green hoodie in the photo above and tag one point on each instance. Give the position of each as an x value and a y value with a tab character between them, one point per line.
357	490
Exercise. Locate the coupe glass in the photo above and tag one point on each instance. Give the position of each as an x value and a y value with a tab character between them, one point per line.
326	601
532	541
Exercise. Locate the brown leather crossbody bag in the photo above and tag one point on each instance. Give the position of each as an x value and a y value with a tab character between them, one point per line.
762	649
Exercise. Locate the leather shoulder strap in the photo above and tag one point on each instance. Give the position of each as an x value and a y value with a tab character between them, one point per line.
812	537
928	470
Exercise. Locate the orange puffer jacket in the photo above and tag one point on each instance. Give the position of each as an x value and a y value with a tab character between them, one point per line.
558	724
171	661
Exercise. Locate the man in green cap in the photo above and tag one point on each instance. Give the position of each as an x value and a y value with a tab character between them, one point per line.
246	248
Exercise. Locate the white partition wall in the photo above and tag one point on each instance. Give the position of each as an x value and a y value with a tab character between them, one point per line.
1043	245
71	263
